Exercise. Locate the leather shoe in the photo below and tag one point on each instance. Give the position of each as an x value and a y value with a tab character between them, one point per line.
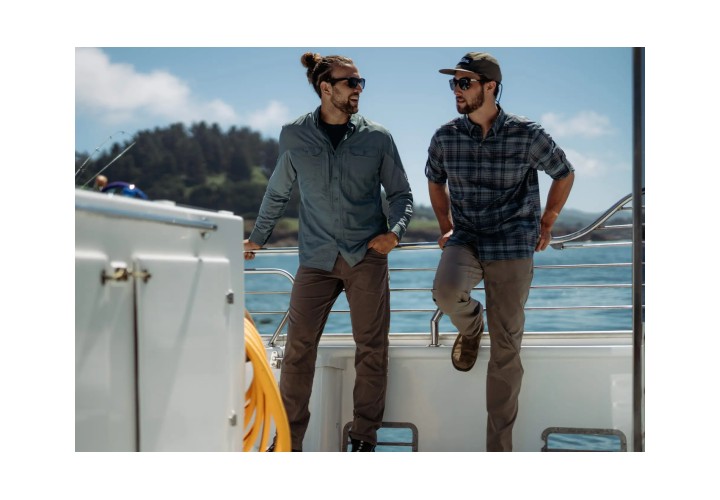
465	350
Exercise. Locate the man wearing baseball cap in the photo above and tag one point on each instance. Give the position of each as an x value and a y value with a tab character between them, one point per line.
477	63
482	171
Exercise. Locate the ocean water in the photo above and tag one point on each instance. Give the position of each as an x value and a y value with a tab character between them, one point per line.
561	299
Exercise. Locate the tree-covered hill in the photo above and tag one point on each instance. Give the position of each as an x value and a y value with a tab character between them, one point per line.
199	166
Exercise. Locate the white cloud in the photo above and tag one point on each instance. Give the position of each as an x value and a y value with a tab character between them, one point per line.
117	92
583	124
272	117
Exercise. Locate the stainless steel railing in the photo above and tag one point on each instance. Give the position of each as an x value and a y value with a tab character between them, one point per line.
576	240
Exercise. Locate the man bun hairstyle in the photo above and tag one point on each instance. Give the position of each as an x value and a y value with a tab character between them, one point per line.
319	68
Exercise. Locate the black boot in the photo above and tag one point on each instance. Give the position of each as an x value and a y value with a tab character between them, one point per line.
358	445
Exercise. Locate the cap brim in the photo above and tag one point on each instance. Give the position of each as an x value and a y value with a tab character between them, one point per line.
452	71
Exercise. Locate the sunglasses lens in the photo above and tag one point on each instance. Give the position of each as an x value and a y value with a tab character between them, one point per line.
463	83
353	82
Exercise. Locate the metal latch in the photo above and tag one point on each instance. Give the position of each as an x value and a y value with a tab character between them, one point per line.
122	273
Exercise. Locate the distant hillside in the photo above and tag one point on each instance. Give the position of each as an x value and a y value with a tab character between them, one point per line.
424	227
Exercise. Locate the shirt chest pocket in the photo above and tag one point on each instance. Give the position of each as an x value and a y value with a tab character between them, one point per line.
502	168
311	166
361	172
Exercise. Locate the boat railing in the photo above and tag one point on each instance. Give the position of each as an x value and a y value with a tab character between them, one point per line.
552	296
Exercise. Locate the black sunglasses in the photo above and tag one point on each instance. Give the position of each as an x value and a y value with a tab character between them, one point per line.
464	82
352	81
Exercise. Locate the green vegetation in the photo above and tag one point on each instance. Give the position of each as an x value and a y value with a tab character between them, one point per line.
201	166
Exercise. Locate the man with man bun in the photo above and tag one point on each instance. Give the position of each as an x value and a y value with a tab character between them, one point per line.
340	162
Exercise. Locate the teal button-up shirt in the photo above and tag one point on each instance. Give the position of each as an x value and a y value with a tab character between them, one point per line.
340	190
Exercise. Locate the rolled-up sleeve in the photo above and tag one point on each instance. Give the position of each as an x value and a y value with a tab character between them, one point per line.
434	170
545	155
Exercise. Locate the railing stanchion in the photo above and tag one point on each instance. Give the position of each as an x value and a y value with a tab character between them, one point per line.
435	329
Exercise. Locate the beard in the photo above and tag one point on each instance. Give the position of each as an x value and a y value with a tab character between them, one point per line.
346	106
469	106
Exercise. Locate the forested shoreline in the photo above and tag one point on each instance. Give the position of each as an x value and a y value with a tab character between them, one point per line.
203	166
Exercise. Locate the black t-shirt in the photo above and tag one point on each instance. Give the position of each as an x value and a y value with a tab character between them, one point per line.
334	132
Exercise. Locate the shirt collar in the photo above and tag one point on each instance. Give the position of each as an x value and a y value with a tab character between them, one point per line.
352	124
494	129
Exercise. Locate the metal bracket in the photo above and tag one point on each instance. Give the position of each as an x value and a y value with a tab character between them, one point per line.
276	360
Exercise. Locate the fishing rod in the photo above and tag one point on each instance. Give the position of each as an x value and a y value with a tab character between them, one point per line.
79	170
111	162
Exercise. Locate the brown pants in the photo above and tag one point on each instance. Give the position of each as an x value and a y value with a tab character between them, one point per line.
313	295
507	285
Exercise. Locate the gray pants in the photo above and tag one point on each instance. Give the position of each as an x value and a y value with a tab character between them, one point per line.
313	295
507	285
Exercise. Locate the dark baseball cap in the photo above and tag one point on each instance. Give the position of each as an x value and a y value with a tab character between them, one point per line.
480	63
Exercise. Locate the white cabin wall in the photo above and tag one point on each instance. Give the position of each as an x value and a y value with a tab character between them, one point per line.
160	355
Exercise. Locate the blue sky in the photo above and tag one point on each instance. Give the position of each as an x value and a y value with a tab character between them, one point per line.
582	96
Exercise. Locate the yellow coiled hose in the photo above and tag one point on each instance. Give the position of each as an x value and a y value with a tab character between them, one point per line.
263	403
